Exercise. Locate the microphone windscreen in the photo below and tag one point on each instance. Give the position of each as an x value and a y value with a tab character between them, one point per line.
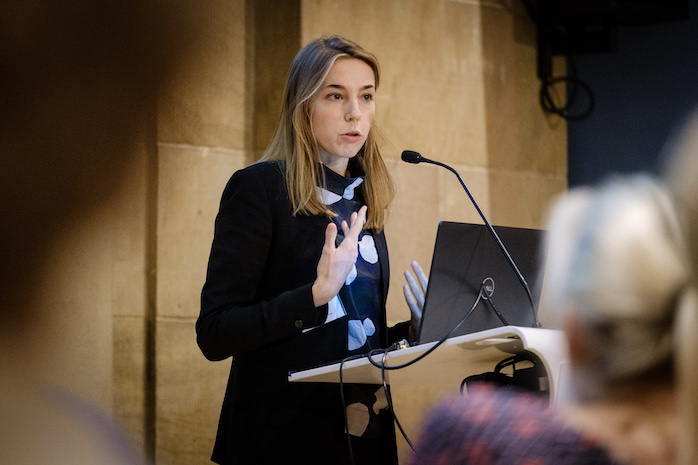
411	157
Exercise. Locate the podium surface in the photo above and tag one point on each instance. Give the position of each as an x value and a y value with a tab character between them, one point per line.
415	389
463	355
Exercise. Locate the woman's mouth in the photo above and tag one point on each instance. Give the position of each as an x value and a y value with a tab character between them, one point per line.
352	136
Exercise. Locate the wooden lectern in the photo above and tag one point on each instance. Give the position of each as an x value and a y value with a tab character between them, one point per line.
415	389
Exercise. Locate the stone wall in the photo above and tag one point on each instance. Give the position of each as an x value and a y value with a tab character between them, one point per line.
459	85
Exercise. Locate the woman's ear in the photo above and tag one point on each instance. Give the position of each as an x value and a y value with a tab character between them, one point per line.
575	332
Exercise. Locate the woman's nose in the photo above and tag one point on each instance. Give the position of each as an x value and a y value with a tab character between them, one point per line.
353	112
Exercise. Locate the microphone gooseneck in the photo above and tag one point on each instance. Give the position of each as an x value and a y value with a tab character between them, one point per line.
411	156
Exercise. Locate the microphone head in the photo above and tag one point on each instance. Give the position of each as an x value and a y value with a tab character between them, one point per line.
411	157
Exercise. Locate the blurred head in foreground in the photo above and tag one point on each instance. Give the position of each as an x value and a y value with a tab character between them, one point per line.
618	281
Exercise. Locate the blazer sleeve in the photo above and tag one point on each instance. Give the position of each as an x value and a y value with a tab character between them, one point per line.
232	319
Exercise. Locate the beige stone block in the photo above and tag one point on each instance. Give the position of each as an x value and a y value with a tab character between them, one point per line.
130	377
191	181
522	199
129	243
190	392
207	101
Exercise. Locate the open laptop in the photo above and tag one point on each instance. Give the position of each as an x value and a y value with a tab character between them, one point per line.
466	256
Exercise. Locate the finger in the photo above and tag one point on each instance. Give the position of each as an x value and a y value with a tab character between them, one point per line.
361	215
411	303
345	228
423	280
358	220
416	290
330	235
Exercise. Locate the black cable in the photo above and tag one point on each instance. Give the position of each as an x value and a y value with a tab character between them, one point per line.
344	404
549	106
487	297
545	71
389	398
432	348
462	385
496	310
383	366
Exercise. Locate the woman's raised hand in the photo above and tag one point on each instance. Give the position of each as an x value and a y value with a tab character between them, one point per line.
337	262
415	291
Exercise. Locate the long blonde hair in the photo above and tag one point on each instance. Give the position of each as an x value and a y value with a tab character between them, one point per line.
294	144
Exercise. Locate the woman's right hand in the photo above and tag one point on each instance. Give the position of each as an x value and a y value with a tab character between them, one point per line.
337	262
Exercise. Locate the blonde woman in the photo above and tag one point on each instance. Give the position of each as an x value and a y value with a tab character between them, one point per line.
298	272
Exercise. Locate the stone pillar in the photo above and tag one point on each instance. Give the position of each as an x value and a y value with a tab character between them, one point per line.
203	132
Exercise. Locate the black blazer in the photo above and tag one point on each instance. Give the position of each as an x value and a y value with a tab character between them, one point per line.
255	304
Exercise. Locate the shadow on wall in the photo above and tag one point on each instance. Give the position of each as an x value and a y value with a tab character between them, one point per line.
80	79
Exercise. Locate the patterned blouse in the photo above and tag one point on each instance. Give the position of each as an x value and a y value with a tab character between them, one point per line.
359	299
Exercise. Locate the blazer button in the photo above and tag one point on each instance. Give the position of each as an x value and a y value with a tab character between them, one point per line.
298	324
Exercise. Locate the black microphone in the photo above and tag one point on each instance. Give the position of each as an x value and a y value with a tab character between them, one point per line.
411	156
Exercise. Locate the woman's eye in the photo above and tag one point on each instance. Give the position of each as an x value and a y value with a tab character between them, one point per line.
368	97
335	96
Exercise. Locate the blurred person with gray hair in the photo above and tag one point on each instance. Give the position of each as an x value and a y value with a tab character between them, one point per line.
617	282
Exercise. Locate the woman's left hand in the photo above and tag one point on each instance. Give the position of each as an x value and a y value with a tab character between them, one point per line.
414	291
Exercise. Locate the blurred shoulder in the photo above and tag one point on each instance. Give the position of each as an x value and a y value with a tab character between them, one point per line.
507	426
488	402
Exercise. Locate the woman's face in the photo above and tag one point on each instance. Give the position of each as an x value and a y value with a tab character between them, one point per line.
342	111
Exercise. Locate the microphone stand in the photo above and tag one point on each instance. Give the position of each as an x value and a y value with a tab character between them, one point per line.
410	156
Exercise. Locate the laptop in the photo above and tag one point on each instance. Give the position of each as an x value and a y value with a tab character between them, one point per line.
467	258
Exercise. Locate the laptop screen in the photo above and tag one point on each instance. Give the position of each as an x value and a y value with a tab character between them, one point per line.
467	257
